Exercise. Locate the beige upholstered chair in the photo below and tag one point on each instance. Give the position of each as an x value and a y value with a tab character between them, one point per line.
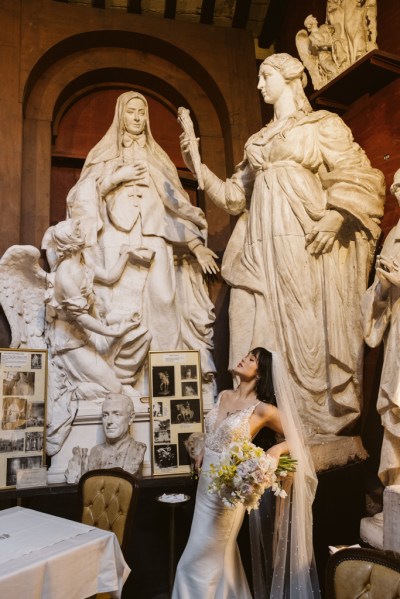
360	573
108	500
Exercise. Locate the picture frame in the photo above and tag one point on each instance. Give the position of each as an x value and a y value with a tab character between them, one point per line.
23	398
176	409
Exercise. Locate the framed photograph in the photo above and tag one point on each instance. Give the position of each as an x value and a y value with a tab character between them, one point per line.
23	393
176	409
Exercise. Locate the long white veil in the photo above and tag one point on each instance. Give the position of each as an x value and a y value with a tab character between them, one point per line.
294	572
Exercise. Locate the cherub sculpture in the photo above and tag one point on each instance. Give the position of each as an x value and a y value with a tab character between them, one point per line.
315	47
348	33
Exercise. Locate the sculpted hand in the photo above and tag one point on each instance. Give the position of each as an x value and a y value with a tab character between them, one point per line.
205	257
141	255
322	236
125	326
387	270
185	150
134	173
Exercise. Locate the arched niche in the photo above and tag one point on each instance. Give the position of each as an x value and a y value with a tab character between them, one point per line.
81	64
85	117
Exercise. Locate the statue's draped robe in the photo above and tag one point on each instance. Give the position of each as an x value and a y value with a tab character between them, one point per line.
170	295
284	298
382	323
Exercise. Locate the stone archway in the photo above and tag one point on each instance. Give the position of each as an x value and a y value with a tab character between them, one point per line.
70	76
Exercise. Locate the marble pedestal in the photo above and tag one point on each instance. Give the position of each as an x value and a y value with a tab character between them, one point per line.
383	530
371	530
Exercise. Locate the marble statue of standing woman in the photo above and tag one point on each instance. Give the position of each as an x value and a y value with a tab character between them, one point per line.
299	257
381	315
129	194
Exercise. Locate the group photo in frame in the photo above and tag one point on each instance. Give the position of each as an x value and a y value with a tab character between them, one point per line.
176	408
23	391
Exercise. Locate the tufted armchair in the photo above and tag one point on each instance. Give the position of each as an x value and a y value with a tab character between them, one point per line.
108	500
362	573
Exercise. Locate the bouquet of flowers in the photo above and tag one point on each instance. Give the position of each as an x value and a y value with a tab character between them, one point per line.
244	472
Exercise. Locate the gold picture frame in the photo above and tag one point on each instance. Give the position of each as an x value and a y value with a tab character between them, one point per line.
23	397
176	408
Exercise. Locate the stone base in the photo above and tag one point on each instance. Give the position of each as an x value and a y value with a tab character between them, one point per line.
333	451
371	530
391	520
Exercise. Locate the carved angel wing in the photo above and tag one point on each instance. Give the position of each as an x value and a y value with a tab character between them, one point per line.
308	57
22	290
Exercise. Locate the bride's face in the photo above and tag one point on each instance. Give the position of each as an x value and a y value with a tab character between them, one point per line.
247	368
271	84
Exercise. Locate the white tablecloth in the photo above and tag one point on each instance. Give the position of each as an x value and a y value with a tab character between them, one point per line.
45	557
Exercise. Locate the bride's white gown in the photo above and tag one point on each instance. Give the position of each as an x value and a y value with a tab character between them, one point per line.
210	566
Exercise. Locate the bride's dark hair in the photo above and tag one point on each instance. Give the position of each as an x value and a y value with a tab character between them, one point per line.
264	385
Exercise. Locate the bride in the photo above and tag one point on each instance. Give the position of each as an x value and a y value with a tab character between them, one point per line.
210	566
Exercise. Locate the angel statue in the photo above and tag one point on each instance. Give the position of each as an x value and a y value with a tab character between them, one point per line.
354	22
315	47
85	352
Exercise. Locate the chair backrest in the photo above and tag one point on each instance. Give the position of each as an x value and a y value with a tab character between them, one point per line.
108	499
364	573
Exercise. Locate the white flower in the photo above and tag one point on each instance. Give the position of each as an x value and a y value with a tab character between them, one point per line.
243	473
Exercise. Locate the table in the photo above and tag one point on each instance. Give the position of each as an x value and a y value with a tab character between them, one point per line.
46	557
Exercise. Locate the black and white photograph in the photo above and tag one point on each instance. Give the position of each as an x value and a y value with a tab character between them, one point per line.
36	361
163	380
158	411
183	454
11	441
176	408
18	383
35	414
14	413
34	441
23	396
189	372
189	389
162	431
185	411
21	463
166	456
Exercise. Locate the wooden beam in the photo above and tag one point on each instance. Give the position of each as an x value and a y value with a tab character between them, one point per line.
134	6
241	14
273	22
170	9
207	12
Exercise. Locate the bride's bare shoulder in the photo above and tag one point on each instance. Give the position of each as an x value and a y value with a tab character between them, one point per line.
266	411
226	395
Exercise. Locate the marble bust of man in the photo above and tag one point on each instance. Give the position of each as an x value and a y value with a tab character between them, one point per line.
120	449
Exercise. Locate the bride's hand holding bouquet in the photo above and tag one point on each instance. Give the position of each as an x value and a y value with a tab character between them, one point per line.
245	471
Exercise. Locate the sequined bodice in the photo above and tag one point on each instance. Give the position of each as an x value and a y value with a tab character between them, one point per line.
234	427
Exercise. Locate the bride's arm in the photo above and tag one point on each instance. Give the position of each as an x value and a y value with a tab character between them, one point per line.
267	415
